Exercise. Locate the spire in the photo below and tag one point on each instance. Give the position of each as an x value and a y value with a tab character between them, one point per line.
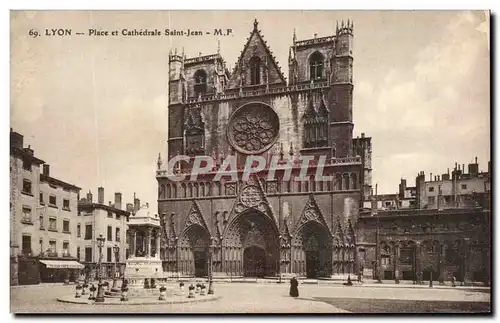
290	152
159	161
294	36
282	153
218	46
255	25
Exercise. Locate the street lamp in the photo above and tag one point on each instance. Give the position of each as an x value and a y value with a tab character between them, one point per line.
100	291
210	268
116	249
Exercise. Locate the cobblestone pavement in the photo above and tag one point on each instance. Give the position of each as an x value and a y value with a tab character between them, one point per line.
240	298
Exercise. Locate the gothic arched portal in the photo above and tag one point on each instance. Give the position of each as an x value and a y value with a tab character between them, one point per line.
251	246
313	251
193	252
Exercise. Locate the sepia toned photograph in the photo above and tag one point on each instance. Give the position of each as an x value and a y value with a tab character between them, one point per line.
250	162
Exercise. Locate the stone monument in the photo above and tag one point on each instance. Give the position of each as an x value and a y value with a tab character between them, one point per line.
144	268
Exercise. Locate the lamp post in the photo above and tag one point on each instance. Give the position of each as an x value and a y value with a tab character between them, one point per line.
116	249
210	268
100	291
374	212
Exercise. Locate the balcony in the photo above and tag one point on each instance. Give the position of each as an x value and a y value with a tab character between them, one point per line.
66	254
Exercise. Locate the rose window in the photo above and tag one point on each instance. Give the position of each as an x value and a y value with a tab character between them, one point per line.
253	128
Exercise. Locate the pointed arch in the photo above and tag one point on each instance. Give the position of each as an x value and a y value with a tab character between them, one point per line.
193	251
345	181
338	182
251	244
202	189
316	66
196	190
200	82
354	181
313	248
174	190
184	190
255	69
168	192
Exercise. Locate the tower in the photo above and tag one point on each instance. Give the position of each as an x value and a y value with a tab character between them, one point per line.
175	84
341	123
176	94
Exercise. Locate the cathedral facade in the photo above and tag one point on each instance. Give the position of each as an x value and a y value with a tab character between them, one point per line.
261	226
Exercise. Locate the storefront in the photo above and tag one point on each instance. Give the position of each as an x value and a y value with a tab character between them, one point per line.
54	271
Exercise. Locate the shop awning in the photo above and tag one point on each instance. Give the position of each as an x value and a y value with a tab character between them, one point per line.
70	264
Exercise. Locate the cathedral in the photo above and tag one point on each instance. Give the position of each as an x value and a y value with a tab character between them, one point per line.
261	227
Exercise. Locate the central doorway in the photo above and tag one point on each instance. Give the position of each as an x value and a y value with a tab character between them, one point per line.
312	264
200	264
254	262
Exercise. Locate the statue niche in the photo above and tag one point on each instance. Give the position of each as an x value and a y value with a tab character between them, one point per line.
194	132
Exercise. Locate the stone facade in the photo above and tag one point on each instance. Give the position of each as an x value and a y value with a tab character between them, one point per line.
43	213
110	220
415	243
258	226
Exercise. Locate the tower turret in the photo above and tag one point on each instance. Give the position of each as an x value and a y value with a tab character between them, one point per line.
175	64
341	93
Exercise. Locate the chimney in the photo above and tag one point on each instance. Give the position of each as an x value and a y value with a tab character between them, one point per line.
315	36
89	197
402	188
16	139
100	195
362	135
474	168
118	201
29	150
130	207
463	168
430	177
110	203
46	170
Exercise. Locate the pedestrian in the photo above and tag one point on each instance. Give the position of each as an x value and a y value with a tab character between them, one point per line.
453	280
349	281
294	287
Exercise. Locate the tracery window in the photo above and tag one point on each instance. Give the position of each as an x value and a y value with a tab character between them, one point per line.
316	66
200	82
255	63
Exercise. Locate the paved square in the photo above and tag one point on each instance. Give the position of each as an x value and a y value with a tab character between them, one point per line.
273	298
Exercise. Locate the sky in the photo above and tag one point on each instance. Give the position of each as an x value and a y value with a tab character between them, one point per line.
95	108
